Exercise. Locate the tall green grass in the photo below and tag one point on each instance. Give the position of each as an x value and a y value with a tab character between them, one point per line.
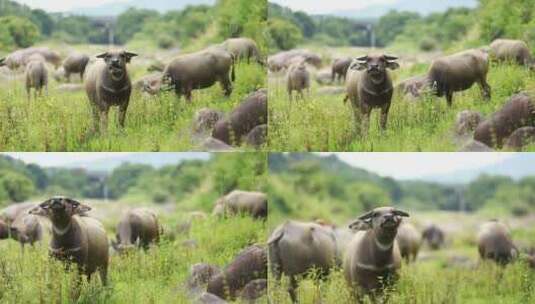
325	123
62	121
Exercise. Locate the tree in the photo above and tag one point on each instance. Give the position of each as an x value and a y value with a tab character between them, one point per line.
131	22
17	186
23	32
124	177
392	24
283	34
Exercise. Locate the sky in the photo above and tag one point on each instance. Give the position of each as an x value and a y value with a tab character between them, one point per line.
322	6
420	164
65	5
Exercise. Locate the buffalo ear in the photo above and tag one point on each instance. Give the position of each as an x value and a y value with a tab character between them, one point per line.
358	224
367	215
400	213
392	65
391	58
103	55
129	56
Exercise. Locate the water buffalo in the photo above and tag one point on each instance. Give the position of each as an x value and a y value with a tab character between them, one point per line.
413	87
409	241
339	68
36	76
21	57
467	121
11	212
243	48
494	242
75	64
283	60
200	70
373	257
78	239
512	50
458	72
251	112
298	79
150	84
368	86
519	111
138	227
250	264
27	229
520	137
433	236
205	120
296	247
245	202
4	230
107	84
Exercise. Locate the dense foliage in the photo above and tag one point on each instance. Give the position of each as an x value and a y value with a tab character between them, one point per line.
221	174
314	186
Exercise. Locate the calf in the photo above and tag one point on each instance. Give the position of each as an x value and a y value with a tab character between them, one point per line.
494	243
138	227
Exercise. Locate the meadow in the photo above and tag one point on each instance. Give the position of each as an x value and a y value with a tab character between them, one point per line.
61	121
325	123
452	274
158	275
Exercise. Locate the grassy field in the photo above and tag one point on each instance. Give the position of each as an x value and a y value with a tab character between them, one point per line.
155	276
325	123
452	274
61	121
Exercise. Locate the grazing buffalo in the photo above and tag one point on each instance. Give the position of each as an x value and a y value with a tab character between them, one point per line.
285	59
76	239
409	241
243	48
200	70
413	87
458	72
36	76
494	243
75	64
244	202
27	229
20	58
298	79
512	50
150	84
339	68
368	86
138	227
13	211
296	247
373	257
433	236
251	113
519	111
107	84
520	138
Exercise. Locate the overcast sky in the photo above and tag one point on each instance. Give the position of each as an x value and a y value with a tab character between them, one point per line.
416	165
324	6
53	159
64	5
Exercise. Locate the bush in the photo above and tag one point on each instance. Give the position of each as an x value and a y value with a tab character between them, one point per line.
23	33
283	34
17	186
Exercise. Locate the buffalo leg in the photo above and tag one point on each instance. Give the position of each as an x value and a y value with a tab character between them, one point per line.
122	114
226	85
365	116
449	98
103	273
187	92
384	115
96	118
292	288
485	89
104	120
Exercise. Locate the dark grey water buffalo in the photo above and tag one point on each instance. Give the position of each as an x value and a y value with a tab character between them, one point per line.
520	137
75	64
512	50
373	257
4	230
200	70
107	84
339	68
298	79
257	137
254	290
494	242
76	239
433	236
296	247
369	86
11	212
250	264
36	76
243	48
137	227
519	111
251	203
458	72
251	112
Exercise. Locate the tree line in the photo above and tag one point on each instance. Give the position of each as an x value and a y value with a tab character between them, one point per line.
220	174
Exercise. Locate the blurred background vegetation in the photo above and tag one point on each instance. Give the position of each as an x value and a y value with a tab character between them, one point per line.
455	28
309	186
193	183
24	26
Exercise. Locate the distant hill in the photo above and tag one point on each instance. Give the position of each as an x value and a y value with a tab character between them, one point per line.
114	9
424	7
517	166
156	160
